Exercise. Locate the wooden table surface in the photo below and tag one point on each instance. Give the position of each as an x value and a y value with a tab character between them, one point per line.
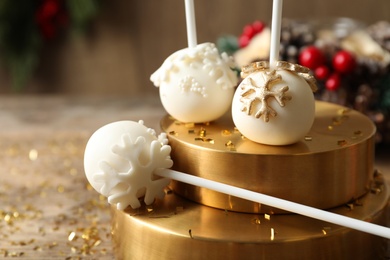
47	208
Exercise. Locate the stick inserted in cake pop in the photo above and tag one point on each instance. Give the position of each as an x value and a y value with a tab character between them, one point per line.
125	161
275	33
191	25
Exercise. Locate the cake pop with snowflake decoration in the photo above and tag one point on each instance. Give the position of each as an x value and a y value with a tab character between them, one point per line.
119	161
274	104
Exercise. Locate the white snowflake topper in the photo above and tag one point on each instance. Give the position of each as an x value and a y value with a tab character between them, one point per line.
127	174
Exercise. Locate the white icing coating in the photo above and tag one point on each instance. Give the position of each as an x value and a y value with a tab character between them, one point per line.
289	110
197	84
119	161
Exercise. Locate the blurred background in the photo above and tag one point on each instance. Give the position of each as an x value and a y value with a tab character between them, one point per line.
123	41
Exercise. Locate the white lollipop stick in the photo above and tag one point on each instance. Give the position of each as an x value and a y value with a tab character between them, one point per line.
278	203
275	32
191	26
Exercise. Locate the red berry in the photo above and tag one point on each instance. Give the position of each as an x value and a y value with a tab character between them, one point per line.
249	31
258	26
243	41
311	57
333	82
344	62
321	72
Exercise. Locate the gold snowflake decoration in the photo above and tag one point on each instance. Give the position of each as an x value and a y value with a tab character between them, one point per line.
252	94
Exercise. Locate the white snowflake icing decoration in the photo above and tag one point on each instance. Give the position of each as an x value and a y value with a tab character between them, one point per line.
204	57
125	188
252	94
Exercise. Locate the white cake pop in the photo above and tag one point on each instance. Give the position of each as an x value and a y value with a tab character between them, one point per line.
120	159
196	84
274	106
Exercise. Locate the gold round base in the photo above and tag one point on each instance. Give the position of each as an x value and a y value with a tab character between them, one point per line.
332	165
176	228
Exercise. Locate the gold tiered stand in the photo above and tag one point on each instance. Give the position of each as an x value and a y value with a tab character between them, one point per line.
331	168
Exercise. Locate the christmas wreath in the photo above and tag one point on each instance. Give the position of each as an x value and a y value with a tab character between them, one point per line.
26	27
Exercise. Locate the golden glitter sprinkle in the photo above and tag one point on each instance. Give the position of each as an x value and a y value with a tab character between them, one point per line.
202	132
308	138
191	131
33	155
341	142
226	132
229	144
174	133
206	140
267	216
256	221
189	125
272	234
330	128
60	189
338	120
72	236
343	111
325	230
209	140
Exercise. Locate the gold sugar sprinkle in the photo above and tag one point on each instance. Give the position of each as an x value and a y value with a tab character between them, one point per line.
202	132
209	140
256	221
173	133
73	171
272	234
206	140
343	111
330	128
342	142
229	144
324	231
191	131
339	119
72	236
375	190
358	203
226	132
267	216
33	155
60	189
308	138
189	125
37	248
